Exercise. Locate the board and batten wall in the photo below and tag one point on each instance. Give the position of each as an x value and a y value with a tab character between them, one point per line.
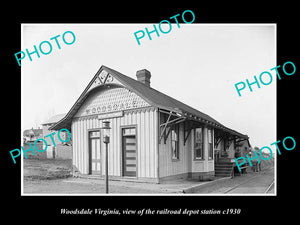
186	163
169	167
145	121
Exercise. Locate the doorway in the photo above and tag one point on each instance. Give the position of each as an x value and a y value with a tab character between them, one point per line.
129	151
94	152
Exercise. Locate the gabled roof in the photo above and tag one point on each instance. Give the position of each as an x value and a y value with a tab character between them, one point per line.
152	96
54	119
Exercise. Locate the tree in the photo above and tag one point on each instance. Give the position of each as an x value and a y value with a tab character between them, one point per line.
256	148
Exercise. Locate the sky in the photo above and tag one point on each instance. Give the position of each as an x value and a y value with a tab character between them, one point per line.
198	64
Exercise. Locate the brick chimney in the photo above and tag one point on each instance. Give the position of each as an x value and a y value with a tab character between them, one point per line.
144	76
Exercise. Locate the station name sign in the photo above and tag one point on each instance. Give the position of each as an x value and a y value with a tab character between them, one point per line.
110	115
112	107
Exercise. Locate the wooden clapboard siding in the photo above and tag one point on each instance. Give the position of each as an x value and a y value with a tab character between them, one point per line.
169	167
147	145
145	121
211	165
140	134
74	145
186	162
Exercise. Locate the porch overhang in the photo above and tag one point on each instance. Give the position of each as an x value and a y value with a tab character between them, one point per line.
191	121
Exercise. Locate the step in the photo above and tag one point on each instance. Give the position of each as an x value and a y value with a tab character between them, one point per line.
226	163
228	172
224	160
222	175
224	167
221	166
223	171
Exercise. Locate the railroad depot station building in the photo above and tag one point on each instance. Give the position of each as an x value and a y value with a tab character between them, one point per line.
153	137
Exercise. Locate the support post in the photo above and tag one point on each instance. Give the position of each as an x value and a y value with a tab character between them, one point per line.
106	168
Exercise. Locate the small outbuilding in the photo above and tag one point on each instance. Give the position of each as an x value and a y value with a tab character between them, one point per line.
153	137
32	135
61	150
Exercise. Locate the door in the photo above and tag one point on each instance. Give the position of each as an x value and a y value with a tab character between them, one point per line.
94	152
129	152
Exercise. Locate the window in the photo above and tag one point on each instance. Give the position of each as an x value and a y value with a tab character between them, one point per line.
175	142
93	134
129	131
198	144
210	143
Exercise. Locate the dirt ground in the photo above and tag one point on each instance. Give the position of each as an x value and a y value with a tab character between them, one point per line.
42	169
48	176
54	177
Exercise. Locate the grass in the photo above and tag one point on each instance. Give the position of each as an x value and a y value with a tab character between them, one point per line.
42	169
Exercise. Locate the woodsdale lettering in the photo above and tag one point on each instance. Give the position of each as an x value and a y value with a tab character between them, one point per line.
76	211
